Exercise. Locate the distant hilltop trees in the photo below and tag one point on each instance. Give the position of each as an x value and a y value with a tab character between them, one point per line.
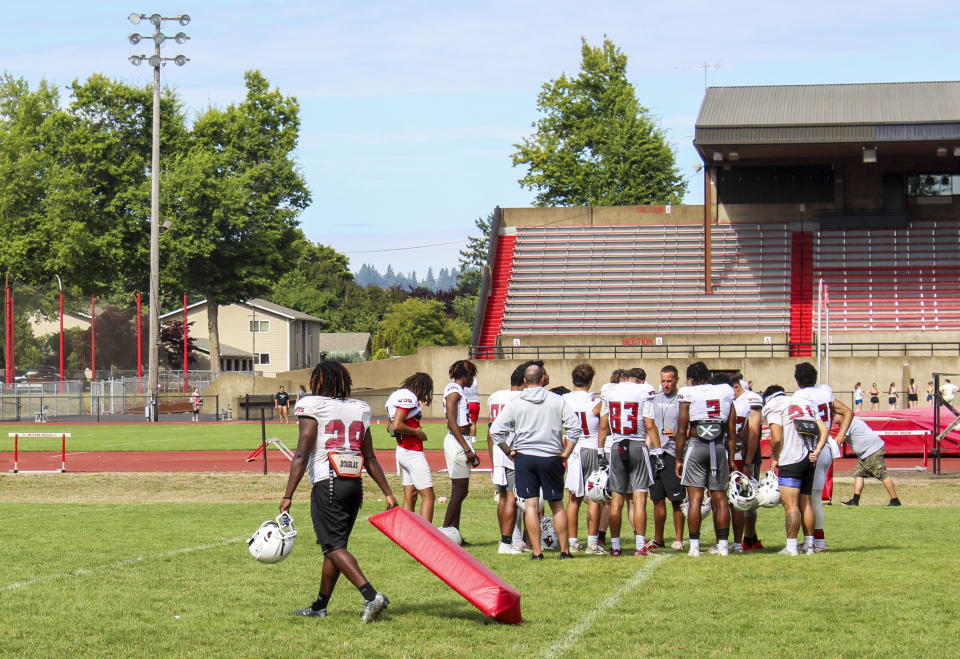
445	280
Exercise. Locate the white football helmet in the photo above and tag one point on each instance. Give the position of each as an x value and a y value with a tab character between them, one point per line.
453	533
598	486
548	535
273	541
742	491
705	507
768	492
522	504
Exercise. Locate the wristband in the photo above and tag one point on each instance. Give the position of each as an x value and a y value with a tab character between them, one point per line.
286	498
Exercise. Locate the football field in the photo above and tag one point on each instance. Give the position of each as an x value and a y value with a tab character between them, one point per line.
157	564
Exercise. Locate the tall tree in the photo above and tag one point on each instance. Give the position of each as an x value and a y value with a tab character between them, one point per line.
235	196
474	256
595	145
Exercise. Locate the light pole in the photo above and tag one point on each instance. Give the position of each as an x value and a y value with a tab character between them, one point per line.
155	61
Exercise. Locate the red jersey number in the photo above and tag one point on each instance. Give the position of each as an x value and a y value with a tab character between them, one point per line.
583	423
713	409
344	438
627	410
495	412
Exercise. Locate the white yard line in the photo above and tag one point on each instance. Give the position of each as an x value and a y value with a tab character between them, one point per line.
587	621
83	572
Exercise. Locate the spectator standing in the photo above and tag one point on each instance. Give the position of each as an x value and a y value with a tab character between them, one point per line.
281	402
892	396
913	399
948	391
196	402
871	461
930	393
874	397
857	398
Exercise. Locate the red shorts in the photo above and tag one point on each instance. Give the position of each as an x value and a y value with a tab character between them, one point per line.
474	411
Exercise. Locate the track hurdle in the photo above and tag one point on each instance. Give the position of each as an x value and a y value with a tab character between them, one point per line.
287	453
16	452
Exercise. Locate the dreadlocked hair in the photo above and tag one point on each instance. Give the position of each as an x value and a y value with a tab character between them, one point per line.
331	379
422	385
461	369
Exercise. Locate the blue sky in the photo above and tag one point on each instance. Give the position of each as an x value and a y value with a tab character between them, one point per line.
410	109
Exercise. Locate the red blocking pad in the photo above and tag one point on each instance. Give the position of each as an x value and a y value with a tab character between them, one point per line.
455	566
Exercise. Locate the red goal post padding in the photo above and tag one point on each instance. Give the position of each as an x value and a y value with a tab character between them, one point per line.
48	435
455	566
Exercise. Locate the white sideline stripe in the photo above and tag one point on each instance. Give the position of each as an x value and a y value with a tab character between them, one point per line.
587	621
83	572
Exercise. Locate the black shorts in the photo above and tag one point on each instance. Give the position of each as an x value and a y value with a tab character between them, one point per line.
874	399
799	475
666	485
534	473
912	397
334	513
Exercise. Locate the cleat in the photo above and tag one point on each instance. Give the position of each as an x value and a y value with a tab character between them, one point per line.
714	550
595	551
894	502
651	545
723	551
311	612
808	550
820	550
575	547
694	552
616	552
565	556
787	551
504	548
756	546
737	548
644	552
677	545
375	607
536	557
851	502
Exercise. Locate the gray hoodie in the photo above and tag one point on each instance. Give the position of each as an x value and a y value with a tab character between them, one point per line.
533	423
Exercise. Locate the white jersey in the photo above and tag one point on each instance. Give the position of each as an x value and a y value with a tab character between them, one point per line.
463	412
625	404
403	399
472	393
496	402
583	403
863	439
341	426
664	410
783	410
820	397
743	405
708	402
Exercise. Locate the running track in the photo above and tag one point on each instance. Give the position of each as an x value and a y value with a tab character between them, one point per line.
235	461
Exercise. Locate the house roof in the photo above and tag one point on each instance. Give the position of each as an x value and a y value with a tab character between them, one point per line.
901	111
344	341
261	304
203	345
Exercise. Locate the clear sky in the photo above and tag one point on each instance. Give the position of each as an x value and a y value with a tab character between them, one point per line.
410	109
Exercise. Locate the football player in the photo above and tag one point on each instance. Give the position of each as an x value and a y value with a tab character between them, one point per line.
585	458
797	437
405	409
707	417
458	444
504	480
828	409
335	445
660	417
748	406
630	471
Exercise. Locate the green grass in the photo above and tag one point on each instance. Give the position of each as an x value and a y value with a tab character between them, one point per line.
185	437
147	567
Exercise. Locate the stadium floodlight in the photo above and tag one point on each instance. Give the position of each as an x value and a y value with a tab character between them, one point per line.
156	61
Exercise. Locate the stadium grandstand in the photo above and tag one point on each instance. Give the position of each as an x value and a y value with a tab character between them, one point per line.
853	190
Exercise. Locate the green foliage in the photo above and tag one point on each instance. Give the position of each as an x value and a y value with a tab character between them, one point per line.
465	308
345	356
414	323
474	256
595	145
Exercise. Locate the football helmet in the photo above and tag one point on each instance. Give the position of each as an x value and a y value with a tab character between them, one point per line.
705	507
742	491
548	535
273	541
453	533
768	492
522	504
598	486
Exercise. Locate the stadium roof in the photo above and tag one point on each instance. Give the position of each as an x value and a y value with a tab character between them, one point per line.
806	114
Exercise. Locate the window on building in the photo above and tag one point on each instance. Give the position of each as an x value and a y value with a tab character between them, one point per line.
261	358
299	325
309	329
260	326
299	359
786	184
933	185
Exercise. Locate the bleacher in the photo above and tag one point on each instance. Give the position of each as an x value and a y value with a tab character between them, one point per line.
897	279
648	279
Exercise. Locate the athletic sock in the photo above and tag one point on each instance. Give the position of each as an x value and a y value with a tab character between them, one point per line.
592	541
602	537
641	542
807	541
695	541
792	543
517	537
321	603
856	499
723	534
818	534
615	543
369	592
506	539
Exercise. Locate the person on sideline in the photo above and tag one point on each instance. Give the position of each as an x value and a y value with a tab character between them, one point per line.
405	409
871	461
502	474
874	397
913	397
334	431
892	396
196	402
530	430
281	402
857	398
458	443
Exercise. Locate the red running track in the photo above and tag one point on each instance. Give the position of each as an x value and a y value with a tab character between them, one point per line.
207	461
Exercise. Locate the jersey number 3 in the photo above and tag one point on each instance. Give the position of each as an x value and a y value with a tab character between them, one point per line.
342	435
616	424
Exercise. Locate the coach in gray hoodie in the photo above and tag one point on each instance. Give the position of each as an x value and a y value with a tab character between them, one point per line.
530	430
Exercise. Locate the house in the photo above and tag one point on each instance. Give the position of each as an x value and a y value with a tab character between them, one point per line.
40	325
256	335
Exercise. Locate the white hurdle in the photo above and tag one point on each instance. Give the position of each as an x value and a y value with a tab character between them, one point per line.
16	452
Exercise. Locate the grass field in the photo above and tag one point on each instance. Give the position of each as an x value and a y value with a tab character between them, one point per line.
156	565
185	437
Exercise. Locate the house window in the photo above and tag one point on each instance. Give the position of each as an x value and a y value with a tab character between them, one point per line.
299	328
261	358
260	326
299	359
309	329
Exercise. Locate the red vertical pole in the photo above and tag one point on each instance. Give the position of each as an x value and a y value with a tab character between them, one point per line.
139	348
186	361
16	452
61	342
6	336
93	339
63	452
13	339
